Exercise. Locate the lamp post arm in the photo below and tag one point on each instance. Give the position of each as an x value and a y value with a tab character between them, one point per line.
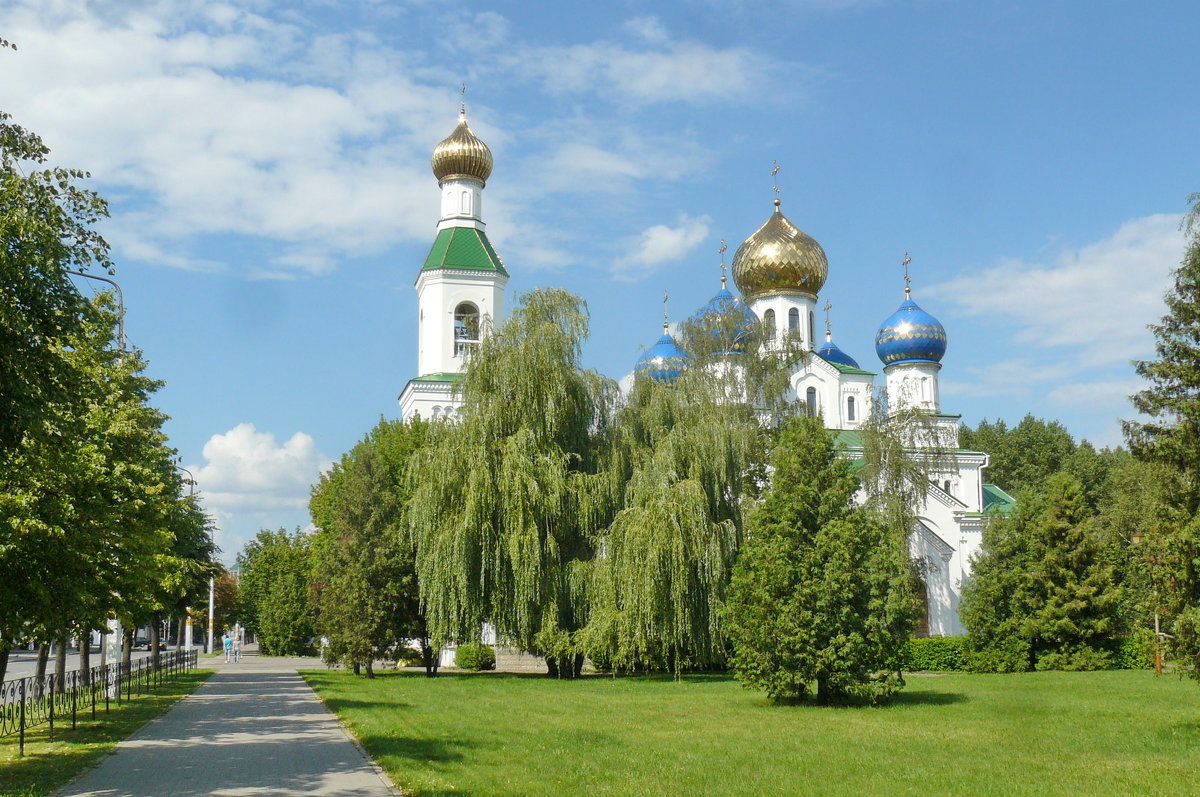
120	303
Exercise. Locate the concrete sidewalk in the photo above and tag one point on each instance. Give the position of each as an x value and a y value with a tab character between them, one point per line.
254	728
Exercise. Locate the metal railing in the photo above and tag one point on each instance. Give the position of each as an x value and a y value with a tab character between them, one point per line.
31	701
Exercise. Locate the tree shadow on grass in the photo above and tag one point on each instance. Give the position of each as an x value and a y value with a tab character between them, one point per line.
422	751
927	699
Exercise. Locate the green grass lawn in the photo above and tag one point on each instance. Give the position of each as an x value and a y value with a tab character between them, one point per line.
48	765
1036	733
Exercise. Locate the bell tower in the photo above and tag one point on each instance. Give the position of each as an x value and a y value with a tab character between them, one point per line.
460	288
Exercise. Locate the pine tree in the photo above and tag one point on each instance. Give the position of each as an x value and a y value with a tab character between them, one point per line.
1042	594
1172	436
822	592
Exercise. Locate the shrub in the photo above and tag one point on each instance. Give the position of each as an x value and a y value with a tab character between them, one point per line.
409	657
1135	652
475	657
935	654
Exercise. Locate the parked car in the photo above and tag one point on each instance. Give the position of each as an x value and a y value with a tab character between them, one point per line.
142	642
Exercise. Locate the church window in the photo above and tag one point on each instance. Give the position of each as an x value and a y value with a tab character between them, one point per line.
850	408
466	328
769	322
466	203
947	485
793	320
812	329
810	397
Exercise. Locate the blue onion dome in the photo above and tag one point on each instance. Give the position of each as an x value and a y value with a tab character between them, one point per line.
831	353
910	335
725	314
665	361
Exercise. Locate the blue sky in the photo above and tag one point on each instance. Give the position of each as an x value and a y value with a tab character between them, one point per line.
267	166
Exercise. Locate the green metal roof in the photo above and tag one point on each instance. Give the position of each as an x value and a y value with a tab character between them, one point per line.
438	378
463	249
997	501
846	369
846	438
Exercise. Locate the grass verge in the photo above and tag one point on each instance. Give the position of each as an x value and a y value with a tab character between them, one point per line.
48	765
1121	732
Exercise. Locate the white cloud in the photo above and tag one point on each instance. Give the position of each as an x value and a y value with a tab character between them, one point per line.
1016	377
250	481
676	71
661	244
1095	300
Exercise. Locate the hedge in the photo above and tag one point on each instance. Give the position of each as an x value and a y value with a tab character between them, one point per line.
936	654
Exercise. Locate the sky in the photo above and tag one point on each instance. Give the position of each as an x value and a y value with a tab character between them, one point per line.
267	170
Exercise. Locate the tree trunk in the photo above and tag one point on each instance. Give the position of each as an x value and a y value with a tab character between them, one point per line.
430	658
126	646
357	668
60	662
578	668
155	634
552	667
179	626
5	647
85	656
370	670
823	690
42	659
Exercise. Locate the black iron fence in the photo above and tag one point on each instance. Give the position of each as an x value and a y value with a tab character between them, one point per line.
28	702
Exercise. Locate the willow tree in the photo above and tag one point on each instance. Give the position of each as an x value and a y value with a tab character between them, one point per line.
506	503
687	452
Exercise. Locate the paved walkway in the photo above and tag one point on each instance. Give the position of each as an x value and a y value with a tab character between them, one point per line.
252	729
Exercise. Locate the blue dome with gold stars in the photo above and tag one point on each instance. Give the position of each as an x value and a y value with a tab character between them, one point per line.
910	335
833	354
665	361
725	316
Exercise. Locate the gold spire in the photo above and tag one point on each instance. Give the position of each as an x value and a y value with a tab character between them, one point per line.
665	312
907	278
462	153
721	252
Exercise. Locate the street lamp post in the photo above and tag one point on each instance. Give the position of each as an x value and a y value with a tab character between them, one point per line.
120	303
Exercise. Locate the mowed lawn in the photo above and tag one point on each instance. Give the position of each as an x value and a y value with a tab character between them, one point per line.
1035	733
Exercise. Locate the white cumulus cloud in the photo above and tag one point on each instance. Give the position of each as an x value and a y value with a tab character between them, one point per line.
661	244
1095	300
250	481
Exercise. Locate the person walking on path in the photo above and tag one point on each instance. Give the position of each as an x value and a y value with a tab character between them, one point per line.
228	647
237	648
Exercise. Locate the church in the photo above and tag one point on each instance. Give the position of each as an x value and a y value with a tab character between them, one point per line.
779	271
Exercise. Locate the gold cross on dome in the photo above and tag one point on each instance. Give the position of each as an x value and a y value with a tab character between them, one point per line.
462	103
775	174
828	306
721	252
907	278
665	297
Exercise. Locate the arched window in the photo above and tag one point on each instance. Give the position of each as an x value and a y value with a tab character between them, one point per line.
947	486
466	328
850	408
810	397
769	322
793	320
812	329
466	203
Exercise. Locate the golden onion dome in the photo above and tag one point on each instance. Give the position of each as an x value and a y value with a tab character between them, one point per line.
779	258
462	154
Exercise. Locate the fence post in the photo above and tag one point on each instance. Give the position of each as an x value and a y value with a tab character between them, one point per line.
74	690
23	680
92	687
50	736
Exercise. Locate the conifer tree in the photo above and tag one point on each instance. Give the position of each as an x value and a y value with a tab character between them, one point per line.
822	592
1042	595
1171	436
